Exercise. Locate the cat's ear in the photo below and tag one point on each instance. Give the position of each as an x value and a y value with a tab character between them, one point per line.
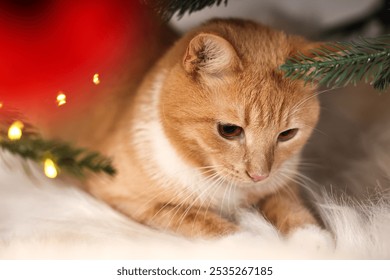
210	54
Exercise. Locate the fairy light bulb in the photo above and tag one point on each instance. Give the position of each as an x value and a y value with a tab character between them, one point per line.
61	98
96	79
15	130
50	168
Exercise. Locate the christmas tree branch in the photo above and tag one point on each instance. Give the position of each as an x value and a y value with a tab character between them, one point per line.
75	161
341	63
167	8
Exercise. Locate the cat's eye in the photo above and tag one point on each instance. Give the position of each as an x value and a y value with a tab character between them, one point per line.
229	131
287	134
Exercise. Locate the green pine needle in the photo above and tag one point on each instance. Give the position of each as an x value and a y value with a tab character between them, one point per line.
75	161
341	63
167	8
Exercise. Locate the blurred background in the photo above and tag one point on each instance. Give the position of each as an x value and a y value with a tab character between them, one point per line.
315	19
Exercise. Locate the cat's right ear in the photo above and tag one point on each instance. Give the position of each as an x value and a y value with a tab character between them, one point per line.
210	54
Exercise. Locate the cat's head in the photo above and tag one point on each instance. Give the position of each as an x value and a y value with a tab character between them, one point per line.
225	104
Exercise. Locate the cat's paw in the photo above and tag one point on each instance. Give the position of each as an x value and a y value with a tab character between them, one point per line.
296	220
209	226
219	229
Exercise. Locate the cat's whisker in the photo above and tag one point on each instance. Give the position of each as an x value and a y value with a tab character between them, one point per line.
327	90
220	183
279	184
232	188
215	185
300	109
179	196
305	178
177	207
212	167
309	165
203	170
306	183
163	184
303	101
193	194
176	196
299	105
229	195
223	198
282	186
206	190
167	190
308	161
301	183
169	186
199	196
188	206
316	129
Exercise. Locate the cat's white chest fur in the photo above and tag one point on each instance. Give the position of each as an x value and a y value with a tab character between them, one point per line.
166	167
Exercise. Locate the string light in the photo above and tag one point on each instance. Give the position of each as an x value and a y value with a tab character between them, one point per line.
50	168
96	79
61	98
15	130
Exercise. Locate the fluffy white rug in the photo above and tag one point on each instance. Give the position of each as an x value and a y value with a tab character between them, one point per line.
43	218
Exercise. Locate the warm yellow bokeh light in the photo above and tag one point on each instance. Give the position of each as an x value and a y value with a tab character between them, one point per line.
15	130
50	168
61	98
1	105
96	79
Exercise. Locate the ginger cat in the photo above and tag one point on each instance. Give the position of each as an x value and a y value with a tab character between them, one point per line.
213	128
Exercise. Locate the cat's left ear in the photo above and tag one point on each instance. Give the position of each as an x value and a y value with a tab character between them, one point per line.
210	54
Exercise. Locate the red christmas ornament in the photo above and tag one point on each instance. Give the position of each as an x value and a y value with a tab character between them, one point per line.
52	46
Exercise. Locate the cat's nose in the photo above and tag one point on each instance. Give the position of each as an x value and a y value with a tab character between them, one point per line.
258	177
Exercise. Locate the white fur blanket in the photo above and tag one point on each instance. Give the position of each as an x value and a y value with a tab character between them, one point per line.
44	218
41	218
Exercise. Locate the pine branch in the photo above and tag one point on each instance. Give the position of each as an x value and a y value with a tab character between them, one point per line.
167	8
75	161
341	63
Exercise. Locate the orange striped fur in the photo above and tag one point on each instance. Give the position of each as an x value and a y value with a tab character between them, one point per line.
176	172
